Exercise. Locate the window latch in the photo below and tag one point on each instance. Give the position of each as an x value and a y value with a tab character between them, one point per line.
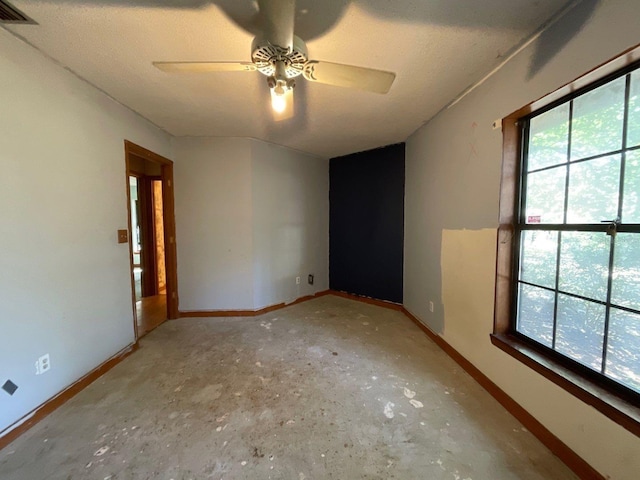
612	228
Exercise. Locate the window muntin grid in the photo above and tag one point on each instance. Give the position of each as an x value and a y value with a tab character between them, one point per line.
578	248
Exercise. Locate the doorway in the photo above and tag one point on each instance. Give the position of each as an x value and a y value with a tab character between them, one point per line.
151	238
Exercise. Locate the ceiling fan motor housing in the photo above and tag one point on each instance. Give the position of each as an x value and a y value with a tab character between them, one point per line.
266	58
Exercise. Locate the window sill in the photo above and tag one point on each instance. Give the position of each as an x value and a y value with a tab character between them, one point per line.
614	407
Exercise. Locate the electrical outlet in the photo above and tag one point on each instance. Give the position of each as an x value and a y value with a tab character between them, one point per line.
43	364
431	306
310	279
297	280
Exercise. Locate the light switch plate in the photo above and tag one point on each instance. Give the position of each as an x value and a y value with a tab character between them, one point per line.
123	236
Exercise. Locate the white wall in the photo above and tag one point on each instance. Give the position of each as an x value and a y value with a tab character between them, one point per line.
250	217
213	223
451	216
290	224
65	285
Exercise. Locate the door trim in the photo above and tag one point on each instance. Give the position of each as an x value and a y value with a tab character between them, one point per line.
168	212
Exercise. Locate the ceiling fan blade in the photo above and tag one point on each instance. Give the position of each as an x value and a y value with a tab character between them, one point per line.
203	67
377	81
278	18
288	111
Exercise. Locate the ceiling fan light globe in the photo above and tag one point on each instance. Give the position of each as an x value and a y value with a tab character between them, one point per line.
278	102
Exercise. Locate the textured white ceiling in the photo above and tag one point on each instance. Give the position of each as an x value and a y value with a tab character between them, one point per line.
437	48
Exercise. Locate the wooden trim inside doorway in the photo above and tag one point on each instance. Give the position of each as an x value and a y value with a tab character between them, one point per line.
171	263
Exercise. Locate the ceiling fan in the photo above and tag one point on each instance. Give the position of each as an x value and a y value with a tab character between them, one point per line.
282	56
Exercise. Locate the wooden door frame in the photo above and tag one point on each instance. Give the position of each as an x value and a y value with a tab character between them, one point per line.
169	218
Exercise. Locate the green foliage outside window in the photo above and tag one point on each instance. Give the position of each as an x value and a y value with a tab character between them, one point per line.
579	258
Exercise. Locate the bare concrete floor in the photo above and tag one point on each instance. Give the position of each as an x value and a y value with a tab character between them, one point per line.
329	388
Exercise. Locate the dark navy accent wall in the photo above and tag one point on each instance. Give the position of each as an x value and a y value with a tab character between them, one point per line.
366	223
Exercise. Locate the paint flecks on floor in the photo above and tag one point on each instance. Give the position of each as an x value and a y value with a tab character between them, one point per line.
416	403
243	387
101	451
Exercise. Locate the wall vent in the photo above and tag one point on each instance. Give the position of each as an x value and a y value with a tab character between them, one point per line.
10	14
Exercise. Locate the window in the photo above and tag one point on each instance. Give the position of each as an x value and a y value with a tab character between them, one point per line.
568	274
